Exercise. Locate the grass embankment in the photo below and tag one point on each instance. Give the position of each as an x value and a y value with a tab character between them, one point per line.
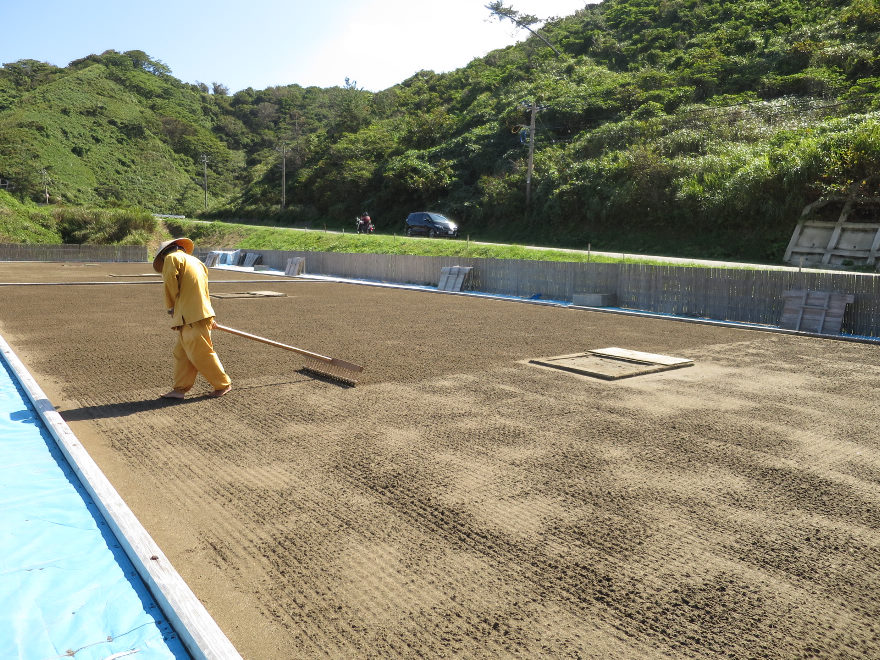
225	235
29	223
26	223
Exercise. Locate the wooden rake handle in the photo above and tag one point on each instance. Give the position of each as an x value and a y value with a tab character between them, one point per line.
336	362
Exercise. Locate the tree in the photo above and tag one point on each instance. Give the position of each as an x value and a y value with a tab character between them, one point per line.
352	106
140	60
519	19
28	74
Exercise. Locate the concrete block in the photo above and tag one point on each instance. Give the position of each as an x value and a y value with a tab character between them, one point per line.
295	266
594	299
453	277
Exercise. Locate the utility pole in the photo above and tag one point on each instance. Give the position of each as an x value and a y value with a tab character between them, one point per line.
531	156
44	173
283	150
205	163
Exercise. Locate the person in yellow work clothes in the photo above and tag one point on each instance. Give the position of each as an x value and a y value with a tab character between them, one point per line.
189	304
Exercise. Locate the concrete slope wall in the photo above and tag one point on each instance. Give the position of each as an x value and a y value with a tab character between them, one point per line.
749	296
725	294
123	253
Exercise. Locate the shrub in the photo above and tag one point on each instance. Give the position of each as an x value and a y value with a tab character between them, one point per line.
103	226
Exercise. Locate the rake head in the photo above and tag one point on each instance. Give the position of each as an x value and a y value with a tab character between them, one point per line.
336	370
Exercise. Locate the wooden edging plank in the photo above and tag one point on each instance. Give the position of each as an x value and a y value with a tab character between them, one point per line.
196	628
644	367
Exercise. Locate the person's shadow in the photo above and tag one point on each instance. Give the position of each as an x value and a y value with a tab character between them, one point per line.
126	408
123	409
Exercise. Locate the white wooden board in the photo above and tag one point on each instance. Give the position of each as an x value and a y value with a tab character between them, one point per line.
639	356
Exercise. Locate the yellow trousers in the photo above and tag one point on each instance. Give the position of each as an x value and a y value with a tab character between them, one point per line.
194	354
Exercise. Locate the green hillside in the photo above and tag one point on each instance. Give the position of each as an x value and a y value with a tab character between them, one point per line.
691	128
108	134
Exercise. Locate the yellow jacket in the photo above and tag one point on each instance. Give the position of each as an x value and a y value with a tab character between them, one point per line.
186	288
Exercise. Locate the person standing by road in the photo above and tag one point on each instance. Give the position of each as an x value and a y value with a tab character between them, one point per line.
189	304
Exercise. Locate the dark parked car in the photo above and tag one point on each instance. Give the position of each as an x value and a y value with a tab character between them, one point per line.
428	223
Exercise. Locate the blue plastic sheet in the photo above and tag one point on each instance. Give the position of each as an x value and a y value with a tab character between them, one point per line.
66	587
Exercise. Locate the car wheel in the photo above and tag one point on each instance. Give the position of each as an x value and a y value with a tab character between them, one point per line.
432	233
409	231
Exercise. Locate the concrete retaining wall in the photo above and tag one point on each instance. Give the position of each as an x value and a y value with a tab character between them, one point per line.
749	296
123	253
725	294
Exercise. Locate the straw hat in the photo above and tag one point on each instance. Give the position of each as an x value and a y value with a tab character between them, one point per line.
185	243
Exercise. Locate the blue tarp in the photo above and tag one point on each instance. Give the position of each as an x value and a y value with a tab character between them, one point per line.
66	587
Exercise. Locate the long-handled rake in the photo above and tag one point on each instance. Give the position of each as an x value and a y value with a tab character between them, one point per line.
323	365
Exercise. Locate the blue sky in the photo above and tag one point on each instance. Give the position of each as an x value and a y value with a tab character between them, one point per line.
261	43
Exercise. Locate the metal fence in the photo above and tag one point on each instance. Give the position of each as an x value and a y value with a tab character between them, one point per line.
123	253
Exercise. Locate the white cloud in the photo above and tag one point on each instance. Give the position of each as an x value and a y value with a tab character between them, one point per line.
385	41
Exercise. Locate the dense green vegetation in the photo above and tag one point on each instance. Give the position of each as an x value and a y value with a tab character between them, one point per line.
685	127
